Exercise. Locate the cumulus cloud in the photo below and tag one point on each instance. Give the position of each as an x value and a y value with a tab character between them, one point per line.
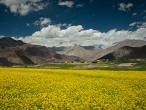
66	3
56	36
23	7
125	7
42	22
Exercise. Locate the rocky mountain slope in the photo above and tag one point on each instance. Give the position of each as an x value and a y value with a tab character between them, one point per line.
120	49
14	52
127	53
91	54
78	51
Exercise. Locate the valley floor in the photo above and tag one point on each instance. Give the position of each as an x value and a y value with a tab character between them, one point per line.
58	89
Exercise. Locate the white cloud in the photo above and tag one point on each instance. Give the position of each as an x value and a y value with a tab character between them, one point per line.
23	7
143	25
66	3
80	5
55	36
42	22
125	7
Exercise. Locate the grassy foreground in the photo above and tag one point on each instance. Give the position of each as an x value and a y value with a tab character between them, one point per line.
41	89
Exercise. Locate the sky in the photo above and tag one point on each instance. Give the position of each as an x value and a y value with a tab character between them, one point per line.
68	22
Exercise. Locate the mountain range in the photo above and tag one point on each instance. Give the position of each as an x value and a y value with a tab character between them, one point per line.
16	52
119	51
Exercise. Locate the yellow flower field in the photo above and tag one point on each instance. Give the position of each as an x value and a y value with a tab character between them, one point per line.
54	89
